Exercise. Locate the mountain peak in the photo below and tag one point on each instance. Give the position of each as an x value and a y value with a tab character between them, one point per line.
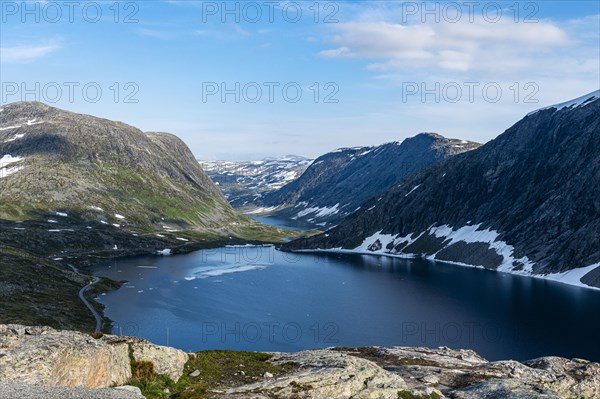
580	101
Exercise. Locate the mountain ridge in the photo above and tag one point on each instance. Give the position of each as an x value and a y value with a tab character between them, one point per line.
339	182
525	202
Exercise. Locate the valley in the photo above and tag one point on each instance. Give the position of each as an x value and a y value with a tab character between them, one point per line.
105	227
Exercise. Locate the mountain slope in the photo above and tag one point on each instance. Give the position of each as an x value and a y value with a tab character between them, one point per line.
337	183
100	169
527	202
243	183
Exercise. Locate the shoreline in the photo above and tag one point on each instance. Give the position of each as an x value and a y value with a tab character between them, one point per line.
554	277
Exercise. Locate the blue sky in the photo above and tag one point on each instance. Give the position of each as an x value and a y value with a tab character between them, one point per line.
370	60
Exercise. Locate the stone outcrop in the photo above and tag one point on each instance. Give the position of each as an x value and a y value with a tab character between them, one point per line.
40	362
424	373
326	374
49	357
166	361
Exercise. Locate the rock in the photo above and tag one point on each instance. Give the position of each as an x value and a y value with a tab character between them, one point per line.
43	363
167	361
426	393
430	379
326	373
132	389
49	357
10	389
504	389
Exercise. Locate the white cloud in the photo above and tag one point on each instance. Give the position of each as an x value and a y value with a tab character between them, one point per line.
25	53
467	47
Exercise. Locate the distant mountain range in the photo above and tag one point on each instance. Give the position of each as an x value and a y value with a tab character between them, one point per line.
527	202
244	183
338	183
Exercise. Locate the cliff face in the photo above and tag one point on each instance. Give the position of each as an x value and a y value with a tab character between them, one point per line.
43	361
527	202
339	182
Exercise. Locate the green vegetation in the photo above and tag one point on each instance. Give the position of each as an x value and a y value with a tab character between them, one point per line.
207	372
409	395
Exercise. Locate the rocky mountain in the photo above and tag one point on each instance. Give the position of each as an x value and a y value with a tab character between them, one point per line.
76	189
338	183
244	183
527	202
57	161
40	362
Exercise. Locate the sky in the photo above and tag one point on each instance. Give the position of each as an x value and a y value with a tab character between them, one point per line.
244	80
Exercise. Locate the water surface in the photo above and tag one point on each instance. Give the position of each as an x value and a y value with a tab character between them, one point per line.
260	299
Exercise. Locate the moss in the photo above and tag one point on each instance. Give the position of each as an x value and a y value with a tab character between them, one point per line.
219	369
409	395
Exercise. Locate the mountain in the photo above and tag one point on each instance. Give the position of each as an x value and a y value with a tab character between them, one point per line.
527	202
338	183
76	190
56	161
244	183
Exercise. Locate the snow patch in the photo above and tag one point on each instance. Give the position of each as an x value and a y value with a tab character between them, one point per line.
164	252
378	244
319	212
16	137
61	214
9	127
414	188
223	271
119	216
7	160
578	102
573	276
261	210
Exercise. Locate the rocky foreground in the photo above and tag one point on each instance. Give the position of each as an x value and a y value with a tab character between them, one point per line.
40	362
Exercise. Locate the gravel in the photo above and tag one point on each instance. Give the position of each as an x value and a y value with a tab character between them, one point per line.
10	389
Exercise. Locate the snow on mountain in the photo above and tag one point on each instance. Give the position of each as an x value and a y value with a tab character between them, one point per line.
524	203
578	102
244	182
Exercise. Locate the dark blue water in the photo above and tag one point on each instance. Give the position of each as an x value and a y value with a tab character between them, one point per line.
284	223
261	299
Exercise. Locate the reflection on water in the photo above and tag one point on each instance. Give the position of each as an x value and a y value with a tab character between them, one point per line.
258	298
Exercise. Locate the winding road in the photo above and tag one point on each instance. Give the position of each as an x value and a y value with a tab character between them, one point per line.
85	301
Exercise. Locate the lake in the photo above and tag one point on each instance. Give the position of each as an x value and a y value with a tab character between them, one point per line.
261	299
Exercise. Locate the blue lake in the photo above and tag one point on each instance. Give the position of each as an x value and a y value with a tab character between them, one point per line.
261	299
